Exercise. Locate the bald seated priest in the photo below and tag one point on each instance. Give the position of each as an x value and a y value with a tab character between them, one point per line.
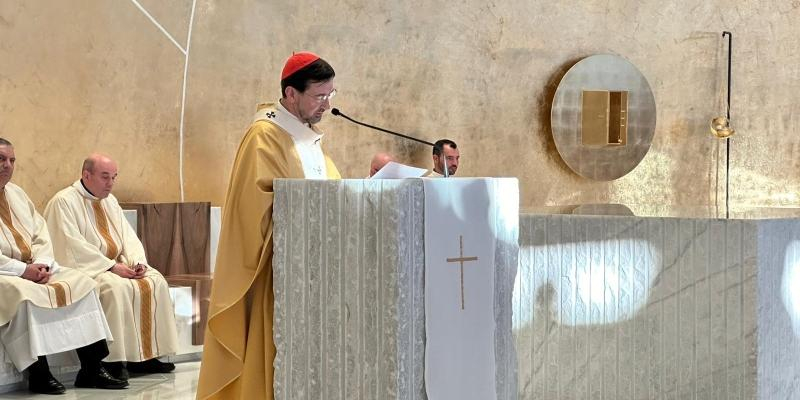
283	141
379	161
90	231
45	308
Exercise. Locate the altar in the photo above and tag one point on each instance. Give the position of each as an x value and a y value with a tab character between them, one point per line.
606	307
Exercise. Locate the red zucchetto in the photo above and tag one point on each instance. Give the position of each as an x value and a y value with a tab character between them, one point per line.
297	62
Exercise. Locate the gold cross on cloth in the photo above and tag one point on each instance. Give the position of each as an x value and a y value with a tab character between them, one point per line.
461	260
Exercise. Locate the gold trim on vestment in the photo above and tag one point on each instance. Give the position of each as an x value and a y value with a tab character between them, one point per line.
112	250
146	318
5	215
69	291
60	293
155	312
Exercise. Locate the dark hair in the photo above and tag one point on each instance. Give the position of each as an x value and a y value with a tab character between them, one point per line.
438	147
317	71
4	142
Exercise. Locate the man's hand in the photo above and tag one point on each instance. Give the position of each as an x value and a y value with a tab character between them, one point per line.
125	271
38	273
140	269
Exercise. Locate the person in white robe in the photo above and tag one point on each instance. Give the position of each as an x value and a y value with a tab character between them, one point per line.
45	308
89	230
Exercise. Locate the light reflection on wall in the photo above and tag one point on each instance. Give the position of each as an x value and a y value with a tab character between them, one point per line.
790	284
584	283
507	205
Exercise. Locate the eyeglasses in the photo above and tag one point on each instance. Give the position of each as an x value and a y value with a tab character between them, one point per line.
323	97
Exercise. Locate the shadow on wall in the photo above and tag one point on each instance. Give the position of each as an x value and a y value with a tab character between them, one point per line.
545	105
605	281
626	307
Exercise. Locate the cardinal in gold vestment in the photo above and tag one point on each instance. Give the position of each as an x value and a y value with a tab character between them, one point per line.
282	142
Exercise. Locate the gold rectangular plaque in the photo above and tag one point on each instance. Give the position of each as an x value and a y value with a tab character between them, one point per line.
604	118
594	118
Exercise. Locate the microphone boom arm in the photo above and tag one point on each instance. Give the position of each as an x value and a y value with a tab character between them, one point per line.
336	112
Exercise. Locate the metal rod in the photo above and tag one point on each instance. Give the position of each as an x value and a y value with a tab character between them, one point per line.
730	57
727	176
728	140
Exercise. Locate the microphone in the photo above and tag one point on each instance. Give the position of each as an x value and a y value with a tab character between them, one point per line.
336	112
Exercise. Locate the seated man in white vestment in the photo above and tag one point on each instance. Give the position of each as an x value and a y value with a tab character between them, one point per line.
89	231
45	308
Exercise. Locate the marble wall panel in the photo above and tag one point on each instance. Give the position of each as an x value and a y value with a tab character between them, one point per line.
77	77
778	311
485	78
645	308
100	75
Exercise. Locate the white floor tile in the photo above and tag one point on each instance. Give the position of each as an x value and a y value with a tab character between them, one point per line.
181	384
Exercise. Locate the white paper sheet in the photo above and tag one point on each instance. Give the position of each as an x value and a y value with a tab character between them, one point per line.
394	170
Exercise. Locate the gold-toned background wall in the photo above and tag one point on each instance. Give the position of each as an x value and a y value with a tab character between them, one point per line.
77	76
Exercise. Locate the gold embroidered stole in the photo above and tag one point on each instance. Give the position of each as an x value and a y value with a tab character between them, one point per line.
59	294
5	215
112	251
56	291
146	317
147	306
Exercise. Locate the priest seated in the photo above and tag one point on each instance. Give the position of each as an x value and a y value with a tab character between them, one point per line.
47	308
89	231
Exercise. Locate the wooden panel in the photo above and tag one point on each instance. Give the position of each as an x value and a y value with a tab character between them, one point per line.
175	236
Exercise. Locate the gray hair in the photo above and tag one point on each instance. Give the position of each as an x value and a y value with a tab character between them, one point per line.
88	164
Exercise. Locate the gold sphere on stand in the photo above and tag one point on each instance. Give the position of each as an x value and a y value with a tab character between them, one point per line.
721	128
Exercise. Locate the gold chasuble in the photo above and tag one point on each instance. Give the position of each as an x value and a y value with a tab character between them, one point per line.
23	240
239	351
93	235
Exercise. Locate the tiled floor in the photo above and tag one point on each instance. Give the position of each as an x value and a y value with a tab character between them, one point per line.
181	384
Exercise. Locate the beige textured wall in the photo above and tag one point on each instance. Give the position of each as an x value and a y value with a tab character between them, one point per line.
76	76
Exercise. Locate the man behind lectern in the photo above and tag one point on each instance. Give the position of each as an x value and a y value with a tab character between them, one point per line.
282	142
445	150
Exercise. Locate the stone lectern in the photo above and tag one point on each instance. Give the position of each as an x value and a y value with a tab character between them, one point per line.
349	284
